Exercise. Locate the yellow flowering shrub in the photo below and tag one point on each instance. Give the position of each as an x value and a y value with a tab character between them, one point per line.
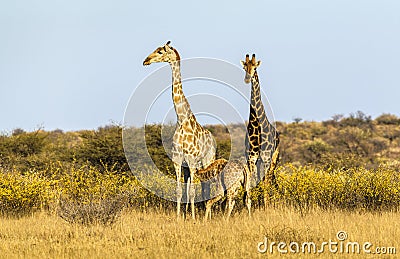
305	187
84	194
24	193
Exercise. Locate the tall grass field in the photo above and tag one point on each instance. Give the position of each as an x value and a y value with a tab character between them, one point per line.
152	234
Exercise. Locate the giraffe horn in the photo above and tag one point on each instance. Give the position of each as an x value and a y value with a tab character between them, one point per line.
168	42
247	58
253	59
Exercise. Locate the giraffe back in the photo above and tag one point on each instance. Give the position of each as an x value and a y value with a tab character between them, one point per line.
231	175
211	170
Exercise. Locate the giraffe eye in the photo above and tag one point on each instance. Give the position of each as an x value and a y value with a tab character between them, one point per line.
159	52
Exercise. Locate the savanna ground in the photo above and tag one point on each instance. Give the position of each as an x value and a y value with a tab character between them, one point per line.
158	235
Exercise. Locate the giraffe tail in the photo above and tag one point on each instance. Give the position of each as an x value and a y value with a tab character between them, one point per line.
245	196
246	182
274	163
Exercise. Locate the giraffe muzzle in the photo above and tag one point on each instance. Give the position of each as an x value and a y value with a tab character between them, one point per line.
247	78
146	62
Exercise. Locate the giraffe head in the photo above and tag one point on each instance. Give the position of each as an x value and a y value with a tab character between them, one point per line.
164	53
250	67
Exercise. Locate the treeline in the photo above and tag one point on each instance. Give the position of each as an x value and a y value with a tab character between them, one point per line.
101	148
343	142
356	140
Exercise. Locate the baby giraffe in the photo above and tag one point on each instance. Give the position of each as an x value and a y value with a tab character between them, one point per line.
230	176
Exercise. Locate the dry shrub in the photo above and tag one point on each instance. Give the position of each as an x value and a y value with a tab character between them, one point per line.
89	196
104	211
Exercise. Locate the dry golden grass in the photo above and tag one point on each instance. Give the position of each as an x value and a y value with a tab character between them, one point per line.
159	235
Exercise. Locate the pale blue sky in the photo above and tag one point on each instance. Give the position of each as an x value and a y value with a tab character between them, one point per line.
74	64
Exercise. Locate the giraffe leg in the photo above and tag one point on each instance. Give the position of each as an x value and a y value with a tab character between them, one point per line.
267	186
205	193
248	204
231	195
259	173
186	180
230	204
192	191
274	163
205	186
178	190
187	191
219	196
209	205
208	210
251	162
247	188
270	178
260	167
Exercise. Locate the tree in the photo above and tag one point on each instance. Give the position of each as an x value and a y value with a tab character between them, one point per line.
388	119
103	147
297	119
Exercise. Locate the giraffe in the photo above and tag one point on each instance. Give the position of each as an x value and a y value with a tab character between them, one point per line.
191	143
262	138
230	176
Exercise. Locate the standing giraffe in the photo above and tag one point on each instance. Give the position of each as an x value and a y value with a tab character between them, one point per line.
230	176
191	142
262	138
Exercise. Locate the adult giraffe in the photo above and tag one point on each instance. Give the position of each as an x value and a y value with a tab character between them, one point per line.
262	139
191	142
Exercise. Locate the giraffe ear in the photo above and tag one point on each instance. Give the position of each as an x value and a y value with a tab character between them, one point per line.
242	62
258	63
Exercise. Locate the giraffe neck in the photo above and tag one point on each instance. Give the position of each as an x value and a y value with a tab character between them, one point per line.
257	113
212	170
182	107
256	103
